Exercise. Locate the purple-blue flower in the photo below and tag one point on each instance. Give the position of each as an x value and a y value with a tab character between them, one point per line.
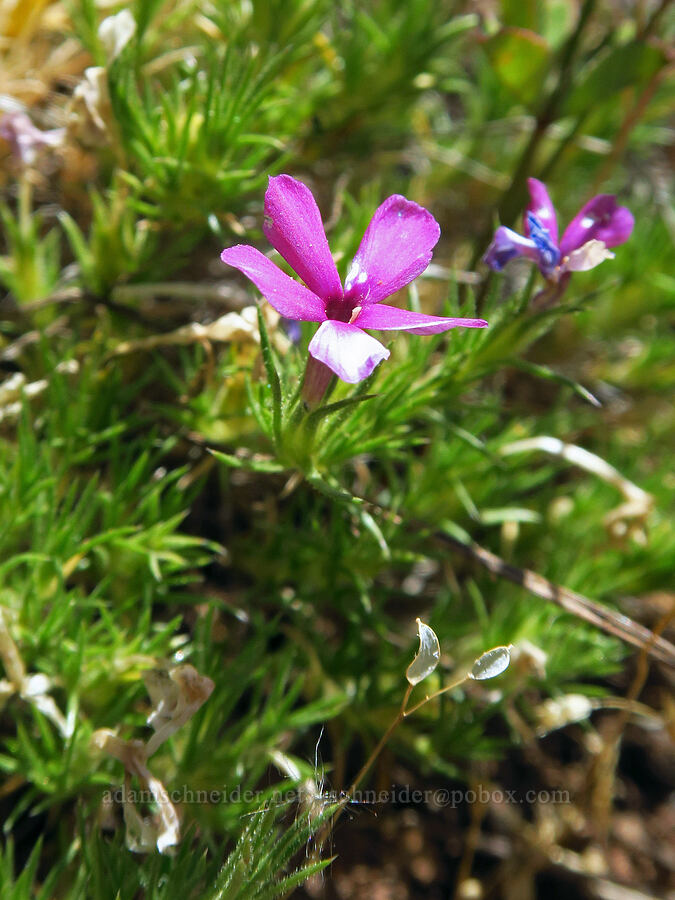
585	243
395	249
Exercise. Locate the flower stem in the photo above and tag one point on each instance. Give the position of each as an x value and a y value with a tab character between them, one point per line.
25	204
513	196
315	382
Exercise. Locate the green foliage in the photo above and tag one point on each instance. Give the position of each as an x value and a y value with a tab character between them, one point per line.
247	874
166	497
520	59
30	268
629	65
119	244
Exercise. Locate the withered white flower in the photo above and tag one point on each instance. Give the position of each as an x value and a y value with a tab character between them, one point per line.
115	32
90	112
176	695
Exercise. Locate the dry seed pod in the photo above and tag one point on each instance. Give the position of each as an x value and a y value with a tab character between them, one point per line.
427	656
491	663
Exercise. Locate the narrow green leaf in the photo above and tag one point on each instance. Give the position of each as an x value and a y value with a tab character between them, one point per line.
371	525
549	375
252	465
272	377
508	514
330	409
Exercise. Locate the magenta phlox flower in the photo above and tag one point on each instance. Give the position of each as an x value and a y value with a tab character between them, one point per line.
395	249
25	139
585	243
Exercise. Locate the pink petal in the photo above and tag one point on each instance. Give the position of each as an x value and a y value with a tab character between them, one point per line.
293	226
390	318
540	205
288	297
599	220
395	249
349	352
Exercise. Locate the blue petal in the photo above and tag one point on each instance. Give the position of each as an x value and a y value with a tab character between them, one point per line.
508	244
549	254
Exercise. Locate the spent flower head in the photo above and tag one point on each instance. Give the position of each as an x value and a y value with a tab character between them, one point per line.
585	243
395	249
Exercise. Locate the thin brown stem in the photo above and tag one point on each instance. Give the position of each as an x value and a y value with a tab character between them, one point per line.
629	123
365	768
443	690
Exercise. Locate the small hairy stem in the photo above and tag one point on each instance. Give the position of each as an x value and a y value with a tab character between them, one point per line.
25	204
365	768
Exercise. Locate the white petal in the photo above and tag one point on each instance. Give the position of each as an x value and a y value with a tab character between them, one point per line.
587	257
347	350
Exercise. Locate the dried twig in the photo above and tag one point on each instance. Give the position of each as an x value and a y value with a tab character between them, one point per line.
601	616
596	614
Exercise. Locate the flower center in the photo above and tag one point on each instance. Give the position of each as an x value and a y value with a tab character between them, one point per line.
340	310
